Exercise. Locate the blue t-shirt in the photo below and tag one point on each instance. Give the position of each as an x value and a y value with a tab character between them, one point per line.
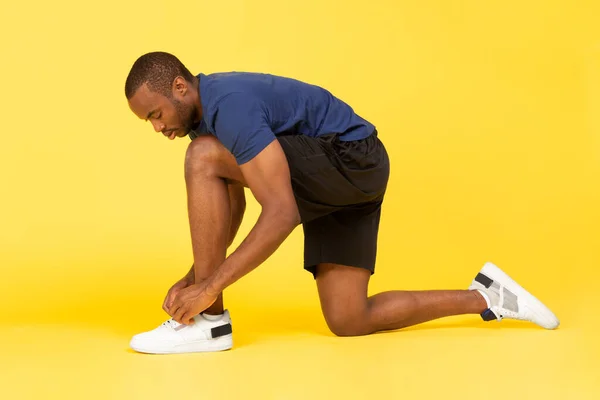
246	111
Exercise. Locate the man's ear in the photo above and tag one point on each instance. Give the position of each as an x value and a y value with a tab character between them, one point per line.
180	86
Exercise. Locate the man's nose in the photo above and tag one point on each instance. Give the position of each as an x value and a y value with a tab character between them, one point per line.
158	126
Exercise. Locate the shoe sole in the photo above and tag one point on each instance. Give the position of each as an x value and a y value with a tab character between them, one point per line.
201	346
544	317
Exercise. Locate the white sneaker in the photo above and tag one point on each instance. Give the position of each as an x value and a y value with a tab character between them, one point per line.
204	335
507	299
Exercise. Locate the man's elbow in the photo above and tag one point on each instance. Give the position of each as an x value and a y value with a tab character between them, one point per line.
294	216
287	215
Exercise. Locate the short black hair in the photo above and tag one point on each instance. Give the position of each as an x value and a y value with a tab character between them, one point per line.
158	70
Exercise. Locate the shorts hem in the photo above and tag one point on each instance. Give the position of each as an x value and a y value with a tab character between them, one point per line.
312	267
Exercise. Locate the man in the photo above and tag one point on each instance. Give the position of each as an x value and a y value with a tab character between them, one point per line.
308	159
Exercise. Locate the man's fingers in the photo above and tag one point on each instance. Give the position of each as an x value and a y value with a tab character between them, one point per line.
177	316
168	308
184	314
187	318
175	304
167	303
177	311
171	299
173	312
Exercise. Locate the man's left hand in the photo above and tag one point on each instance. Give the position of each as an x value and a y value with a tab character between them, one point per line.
190	302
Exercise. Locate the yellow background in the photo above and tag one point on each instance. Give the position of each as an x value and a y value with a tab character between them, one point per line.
490	113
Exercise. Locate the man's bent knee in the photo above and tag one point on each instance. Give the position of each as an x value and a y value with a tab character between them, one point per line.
355	324
206	156
201	154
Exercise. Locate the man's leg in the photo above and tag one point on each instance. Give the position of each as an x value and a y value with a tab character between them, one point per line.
349	311
237	203
215	197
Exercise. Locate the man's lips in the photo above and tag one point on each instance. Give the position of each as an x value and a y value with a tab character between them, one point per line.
171	133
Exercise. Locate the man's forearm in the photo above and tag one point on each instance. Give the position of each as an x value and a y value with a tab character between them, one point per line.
190	276
271	229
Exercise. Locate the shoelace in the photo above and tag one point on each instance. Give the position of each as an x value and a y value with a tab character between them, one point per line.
504	313
171	323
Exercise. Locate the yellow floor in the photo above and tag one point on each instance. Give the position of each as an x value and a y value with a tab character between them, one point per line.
296	358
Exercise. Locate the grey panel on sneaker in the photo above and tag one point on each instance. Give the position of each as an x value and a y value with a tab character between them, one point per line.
510	301
493	292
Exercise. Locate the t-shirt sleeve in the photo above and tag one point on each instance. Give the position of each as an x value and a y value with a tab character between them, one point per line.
241	125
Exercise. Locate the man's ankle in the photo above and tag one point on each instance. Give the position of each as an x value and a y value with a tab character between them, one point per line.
216	309
482	300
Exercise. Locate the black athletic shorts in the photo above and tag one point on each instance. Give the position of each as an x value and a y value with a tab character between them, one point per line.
339	188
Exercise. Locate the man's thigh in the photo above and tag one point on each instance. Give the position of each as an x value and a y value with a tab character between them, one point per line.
345	237
343	290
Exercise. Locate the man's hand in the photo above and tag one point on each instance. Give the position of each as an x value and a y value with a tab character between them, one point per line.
184	282
190	302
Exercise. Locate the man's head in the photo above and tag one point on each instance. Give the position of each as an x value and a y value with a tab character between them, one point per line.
160	89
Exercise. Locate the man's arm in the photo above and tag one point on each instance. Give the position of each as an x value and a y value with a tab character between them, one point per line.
268	177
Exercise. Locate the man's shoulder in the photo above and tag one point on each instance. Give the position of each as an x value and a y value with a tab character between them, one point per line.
226	82
227	87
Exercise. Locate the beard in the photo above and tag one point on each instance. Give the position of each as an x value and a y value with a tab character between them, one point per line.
186	116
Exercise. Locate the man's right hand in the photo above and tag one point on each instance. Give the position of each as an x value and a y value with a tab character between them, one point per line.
184	282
